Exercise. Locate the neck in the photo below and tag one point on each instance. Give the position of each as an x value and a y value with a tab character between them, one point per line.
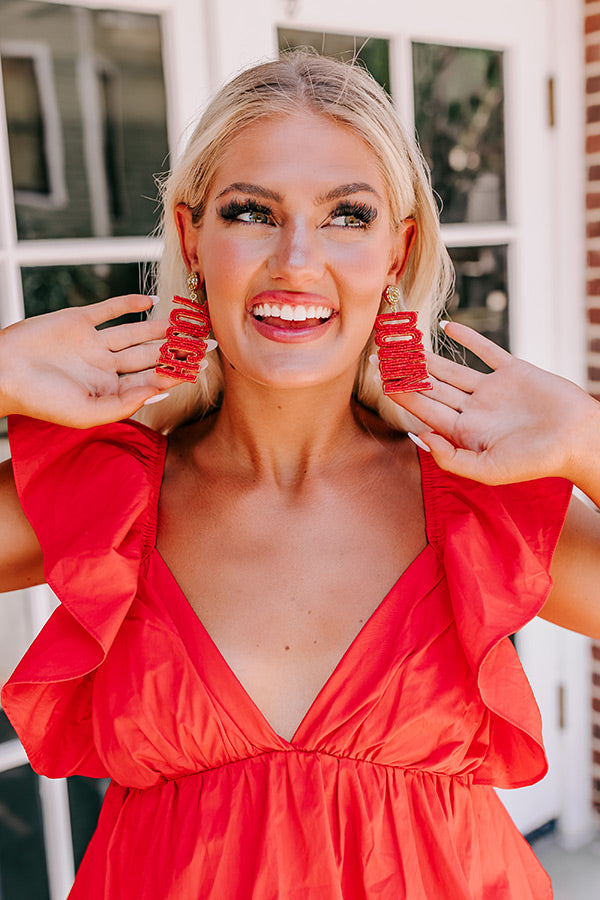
286	435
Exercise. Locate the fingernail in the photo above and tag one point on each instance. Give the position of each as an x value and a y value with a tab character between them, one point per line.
443	323
210	345
156	398
377	378
373	360
417	440
203	365
154	299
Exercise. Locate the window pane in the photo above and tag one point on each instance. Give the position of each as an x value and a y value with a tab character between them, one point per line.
480	298
25	126
48	288
459	118
87	130
373	52
22	856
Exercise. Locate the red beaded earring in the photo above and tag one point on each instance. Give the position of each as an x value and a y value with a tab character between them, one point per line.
400	348
185	347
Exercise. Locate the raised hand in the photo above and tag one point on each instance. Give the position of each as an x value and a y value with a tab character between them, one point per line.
516	423
61	368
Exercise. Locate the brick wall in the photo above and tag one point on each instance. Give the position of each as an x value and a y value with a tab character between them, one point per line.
592	146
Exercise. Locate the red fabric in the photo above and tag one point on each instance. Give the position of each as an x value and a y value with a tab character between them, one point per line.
383	793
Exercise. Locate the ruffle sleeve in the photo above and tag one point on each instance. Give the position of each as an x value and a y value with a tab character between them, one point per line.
497	544
91	497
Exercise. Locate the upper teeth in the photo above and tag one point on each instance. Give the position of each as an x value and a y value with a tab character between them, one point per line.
292	313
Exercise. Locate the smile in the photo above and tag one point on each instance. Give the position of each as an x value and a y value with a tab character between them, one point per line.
296	313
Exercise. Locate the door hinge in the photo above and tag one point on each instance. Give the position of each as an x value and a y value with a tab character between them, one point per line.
562	706
551	102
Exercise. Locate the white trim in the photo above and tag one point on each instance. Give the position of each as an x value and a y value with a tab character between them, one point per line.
85	250
58	843
12	755
41	57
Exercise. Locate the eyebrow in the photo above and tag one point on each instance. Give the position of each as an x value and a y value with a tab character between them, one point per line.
245	187
343	190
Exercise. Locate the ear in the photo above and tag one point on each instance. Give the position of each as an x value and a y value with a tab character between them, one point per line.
188	236
405	242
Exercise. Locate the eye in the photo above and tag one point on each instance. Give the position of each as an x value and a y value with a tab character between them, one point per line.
353	215
247	211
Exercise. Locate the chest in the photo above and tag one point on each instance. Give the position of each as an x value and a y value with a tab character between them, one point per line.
284	585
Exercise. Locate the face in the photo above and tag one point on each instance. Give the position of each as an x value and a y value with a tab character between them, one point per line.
295	248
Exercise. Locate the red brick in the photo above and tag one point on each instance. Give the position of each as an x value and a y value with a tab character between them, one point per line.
592	23
592	229
593	259
596	757
594	173
592	84
594	319
592	143
595	345
592	114
592	201
592	53
593	373
593	288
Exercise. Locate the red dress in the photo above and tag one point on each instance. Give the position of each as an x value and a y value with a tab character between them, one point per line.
384	792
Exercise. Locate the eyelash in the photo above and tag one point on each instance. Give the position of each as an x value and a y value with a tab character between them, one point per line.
362	211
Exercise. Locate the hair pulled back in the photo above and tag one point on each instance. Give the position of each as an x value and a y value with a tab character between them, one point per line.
346	94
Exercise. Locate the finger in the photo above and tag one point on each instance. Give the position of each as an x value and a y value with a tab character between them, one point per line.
137	359
471	464
119	337
451	372
148	379
491	354
114	407
448	394
117	306
429	410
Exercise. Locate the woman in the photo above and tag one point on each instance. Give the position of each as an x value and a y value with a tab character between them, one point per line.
271	725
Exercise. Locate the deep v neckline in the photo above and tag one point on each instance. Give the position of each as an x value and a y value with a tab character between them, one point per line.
196	637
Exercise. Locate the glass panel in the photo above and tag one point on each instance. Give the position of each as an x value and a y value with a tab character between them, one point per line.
48	288
22	856
459	118
373	52
87	130
480	299
85	800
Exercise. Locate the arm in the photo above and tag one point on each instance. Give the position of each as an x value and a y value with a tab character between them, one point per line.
514	424
20	553
61	368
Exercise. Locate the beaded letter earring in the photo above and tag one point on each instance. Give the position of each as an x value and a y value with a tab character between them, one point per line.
400	348
182	353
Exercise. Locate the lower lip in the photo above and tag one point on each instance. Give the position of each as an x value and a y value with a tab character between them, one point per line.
292	335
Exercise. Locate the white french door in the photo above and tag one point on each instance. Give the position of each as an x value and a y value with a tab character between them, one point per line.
495	92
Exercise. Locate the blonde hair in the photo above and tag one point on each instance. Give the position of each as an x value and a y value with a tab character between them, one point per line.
346	94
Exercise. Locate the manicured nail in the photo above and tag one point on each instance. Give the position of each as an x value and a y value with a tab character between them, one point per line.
210	345
373	360
203	365
156	398
443	323
417	440
154	299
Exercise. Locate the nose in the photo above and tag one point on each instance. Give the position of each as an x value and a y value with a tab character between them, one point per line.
296	258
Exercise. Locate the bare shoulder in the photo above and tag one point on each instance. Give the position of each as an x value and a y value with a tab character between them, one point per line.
20	552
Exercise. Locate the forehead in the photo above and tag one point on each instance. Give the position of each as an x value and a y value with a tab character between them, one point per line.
302	149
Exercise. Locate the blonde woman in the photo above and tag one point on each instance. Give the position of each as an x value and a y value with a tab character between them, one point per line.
284	628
